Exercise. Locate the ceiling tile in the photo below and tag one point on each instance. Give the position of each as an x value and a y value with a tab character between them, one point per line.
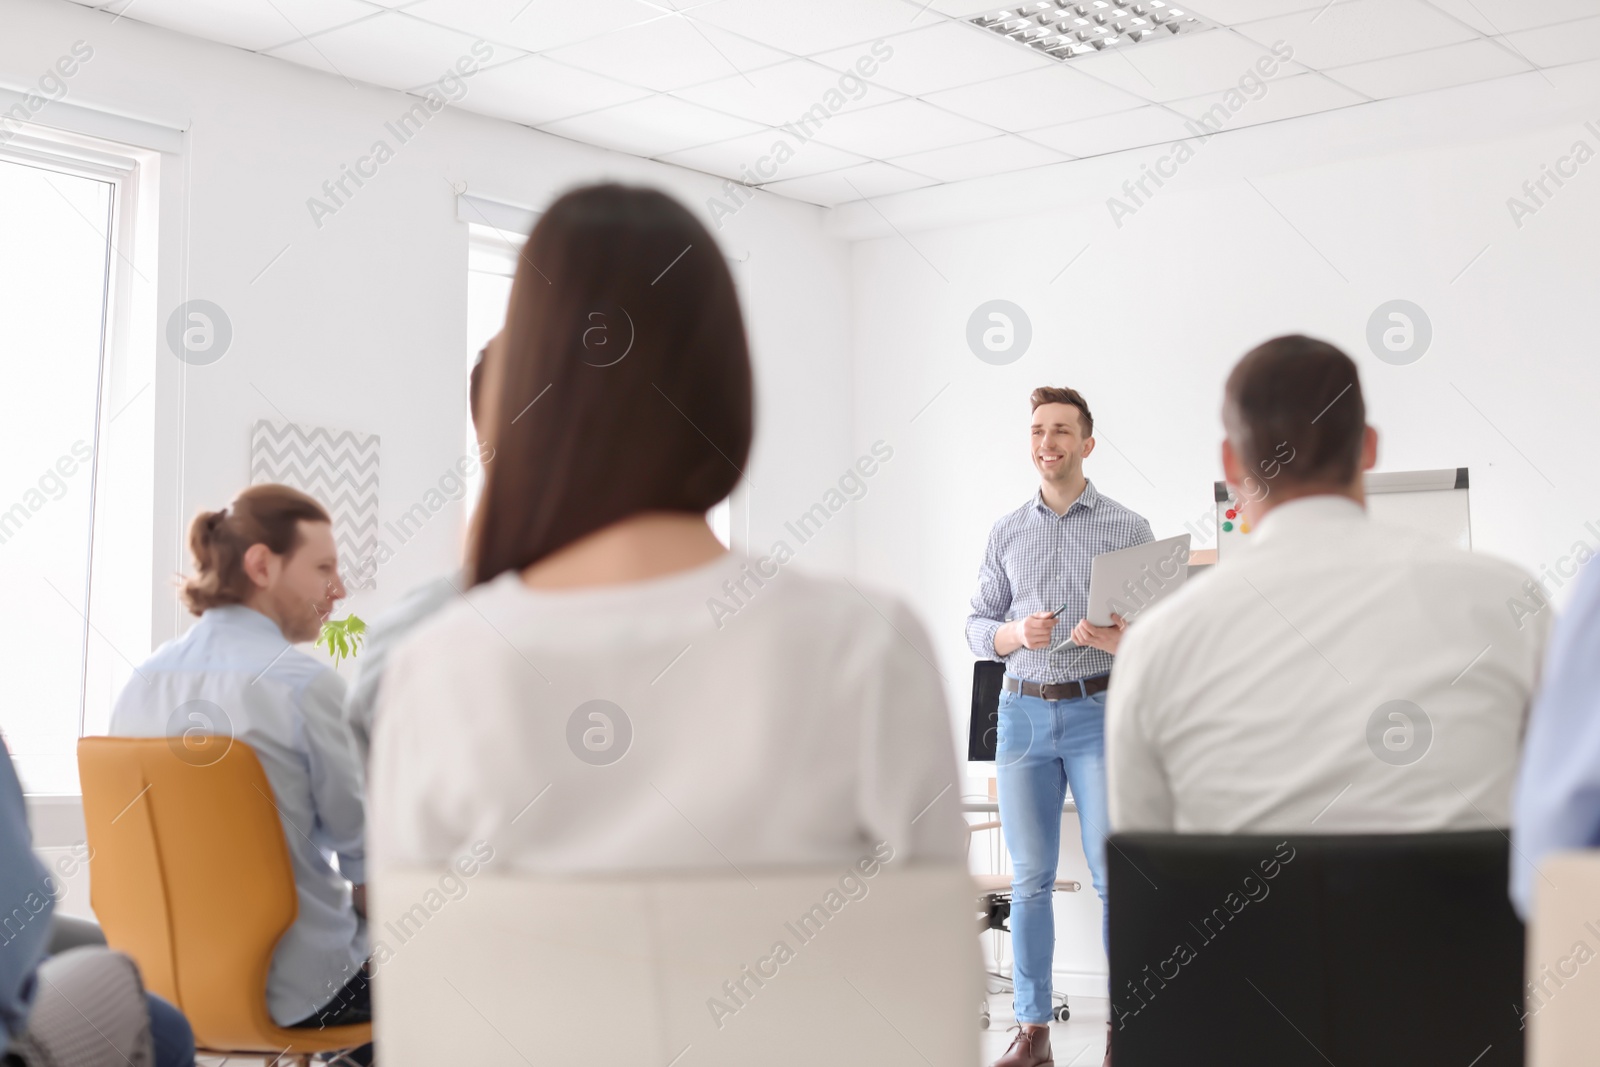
1045	97
785	91
753	158
1569	42
953	8
1354	31
899	129
1437	68
1114	133
667	54
392	49
939	57
855	183
534	90
997	155
1286	98
812	26
652	126
1233	12
245	23
1205	62
1507	16
535	25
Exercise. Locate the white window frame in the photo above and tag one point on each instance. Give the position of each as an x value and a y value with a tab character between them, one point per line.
118	627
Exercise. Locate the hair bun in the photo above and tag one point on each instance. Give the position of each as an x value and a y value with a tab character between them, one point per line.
215	519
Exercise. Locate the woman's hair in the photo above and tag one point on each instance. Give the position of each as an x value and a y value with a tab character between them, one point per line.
623	381
218	540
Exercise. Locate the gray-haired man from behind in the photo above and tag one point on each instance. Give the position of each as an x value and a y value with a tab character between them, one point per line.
1299	685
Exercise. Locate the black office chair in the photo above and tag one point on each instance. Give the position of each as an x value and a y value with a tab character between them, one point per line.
1306	950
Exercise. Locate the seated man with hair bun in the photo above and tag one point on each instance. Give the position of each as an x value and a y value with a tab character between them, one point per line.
267	578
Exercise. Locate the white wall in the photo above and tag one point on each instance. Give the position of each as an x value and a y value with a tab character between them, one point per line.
361	324
1147	322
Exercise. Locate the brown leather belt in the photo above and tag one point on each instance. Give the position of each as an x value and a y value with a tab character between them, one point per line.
1085	687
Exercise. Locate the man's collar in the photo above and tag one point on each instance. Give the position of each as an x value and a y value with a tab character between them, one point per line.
1314	512
239	615
1088	498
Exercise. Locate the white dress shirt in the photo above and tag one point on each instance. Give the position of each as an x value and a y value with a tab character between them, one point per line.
796	724
250	682
1257	699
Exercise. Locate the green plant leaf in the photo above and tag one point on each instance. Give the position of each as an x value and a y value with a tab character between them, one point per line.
342	637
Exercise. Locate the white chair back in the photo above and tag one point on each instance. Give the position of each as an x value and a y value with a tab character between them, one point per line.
1563	1006
807	967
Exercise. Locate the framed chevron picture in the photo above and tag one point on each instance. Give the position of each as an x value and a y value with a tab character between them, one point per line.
340	469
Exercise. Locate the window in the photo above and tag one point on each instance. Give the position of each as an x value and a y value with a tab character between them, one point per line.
491	263
55	270
78	441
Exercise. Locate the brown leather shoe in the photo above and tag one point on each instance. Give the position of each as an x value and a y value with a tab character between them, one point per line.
1030	1048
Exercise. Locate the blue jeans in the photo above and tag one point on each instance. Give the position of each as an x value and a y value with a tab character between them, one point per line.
1042	747
170	1033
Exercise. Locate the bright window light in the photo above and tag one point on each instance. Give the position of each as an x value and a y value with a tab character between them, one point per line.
491	263
54	269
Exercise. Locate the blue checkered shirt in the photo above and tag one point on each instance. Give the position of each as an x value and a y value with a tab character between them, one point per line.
1037	561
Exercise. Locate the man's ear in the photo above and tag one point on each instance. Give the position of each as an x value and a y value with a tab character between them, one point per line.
258	563
1232	469
1369	449
1088	446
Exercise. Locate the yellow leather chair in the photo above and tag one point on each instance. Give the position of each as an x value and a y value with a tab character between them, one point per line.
190	875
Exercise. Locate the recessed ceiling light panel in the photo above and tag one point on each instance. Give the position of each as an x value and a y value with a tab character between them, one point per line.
1064	30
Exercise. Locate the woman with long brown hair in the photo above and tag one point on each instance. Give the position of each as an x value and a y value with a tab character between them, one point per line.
600	654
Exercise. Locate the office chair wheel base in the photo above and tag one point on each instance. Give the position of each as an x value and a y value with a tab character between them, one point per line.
1062	1014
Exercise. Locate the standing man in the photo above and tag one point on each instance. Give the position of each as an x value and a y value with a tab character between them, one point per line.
1052	706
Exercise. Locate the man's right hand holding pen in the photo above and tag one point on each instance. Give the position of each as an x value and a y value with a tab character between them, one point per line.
1030	631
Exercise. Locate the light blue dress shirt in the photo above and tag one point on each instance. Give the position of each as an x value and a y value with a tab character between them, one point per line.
1557	801
383	636
235	673
26	902
1037	560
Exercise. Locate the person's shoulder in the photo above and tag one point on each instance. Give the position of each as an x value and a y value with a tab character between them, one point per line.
838	608
168	651
1415	548
1585	600
1200	599
414	608
489	623
425	599
1109	508
300	673
459	615
1492	569
1012	517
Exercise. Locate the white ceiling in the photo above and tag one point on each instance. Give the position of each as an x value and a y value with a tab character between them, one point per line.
707	84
